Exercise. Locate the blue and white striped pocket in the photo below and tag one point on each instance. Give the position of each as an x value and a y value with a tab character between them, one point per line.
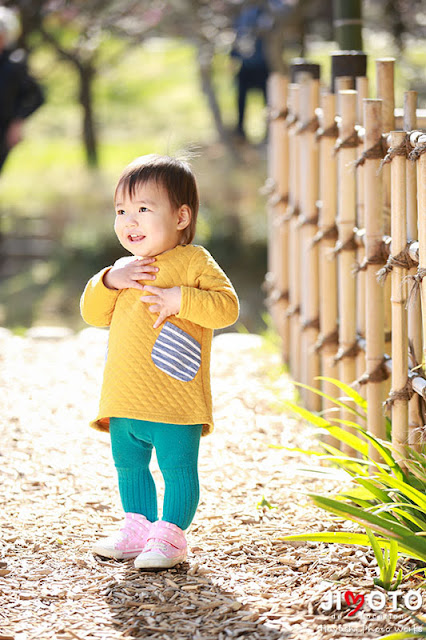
176	353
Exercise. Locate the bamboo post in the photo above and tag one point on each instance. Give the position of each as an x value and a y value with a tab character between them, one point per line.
278	224
343	83
346	248
421	202
308	168
374	301
414	311
399	393
327	235
362	94
386	92
347	63
293	311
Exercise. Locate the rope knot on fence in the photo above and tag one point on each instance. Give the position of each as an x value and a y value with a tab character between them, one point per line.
291	119
310	126
310	324
419	150
331	338
399	395
329	233
378	258
293	211
350	142
277	114
277	199
329	132
379	374
350	352
292	311
417	282
402	149
349	245
276	296
376	152
403	260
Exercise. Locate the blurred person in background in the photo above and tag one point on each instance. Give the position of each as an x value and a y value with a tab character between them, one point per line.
20	95
249	50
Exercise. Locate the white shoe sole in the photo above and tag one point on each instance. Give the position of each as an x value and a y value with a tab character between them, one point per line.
157	561
116	554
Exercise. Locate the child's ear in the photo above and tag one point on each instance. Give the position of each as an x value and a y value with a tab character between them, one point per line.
184	217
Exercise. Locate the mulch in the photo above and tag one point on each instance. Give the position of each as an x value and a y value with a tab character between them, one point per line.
58	494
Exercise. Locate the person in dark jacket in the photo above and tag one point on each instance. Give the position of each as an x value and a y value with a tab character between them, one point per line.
249	50
20	95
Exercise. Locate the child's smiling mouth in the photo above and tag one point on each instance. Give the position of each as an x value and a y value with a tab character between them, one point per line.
133	237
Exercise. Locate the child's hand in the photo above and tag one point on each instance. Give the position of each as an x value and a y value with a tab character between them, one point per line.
165	302
127	271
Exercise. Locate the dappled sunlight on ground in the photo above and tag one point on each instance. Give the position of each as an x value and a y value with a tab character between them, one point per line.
59	494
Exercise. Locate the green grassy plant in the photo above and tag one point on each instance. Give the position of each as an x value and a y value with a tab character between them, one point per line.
383	496
386	562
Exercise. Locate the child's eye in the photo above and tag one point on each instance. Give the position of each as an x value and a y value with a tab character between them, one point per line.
143	209
120	212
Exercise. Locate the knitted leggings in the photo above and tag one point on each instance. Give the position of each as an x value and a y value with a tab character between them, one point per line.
176	447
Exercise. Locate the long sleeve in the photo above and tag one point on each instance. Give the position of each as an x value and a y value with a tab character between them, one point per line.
212	301
29	98
97	302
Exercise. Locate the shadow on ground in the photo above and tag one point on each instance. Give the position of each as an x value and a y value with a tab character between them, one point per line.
180	603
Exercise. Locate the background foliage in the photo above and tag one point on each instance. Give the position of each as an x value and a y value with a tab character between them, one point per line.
123	78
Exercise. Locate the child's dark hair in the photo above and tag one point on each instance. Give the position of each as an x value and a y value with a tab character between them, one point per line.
174	175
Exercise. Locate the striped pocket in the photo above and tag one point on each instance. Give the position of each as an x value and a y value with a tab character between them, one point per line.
176	353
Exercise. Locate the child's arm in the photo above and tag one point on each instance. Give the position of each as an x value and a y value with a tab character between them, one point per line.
100	295
97	302
211	302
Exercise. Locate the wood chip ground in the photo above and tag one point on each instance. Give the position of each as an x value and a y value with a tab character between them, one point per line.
58	493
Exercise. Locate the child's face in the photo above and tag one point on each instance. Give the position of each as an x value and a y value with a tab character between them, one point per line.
146	224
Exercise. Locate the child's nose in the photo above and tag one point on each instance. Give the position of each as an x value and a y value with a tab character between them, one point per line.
131	219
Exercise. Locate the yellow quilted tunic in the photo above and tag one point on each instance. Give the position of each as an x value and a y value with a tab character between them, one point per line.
163	374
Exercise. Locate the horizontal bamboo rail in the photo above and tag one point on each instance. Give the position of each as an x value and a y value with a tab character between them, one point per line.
354	264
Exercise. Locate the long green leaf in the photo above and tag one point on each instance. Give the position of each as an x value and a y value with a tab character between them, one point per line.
357	492
403	635
373	489
393	559
307	452
356	397
324	395
348	438
421	524
410	492
340	537
354	466
333	450
376	548
306	415
383	450
415	545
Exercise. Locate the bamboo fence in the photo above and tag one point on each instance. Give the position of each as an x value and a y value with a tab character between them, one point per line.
347	209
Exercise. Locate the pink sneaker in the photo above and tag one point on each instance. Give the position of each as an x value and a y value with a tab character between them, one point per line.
126	543
165	547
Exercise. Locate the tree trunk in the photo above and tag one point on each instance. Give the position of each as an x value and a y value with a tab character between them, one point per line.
86	75
347	21
205	67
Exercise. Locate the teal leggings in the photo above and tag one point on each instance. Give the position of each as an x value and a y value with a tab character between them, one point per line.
176	448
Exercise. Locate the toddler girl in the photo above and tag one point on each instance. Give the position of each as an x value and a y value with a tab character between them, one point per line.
156	386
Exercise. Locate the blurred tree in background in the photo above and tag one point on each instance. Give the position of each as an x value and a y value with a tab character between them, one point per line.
128	77
77	30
